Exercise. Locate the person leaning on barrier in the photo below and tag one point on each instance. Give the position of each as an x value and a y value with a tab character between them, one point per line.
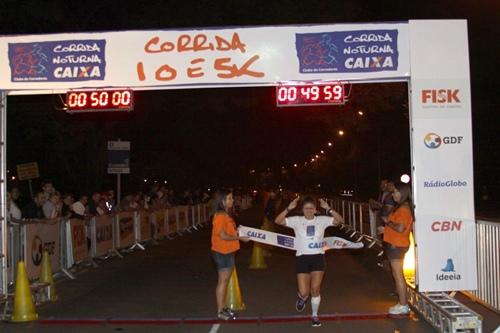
34	209
398	226
52	208
225	243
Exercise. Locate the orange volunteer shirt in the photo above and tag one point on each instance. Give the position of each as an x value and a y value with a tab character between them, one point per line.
224	222
402	215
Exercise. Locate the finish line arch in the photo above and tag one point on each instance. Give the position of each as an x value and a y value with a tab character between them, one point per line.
432	55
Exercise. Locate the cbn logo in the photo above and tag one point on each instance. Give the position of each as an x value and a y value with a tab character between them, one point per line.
434	141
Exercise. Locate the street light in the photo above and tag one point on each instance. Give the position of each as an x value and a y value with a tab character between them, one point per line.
361	113
329	144
295	165
322	152
341	132
317	156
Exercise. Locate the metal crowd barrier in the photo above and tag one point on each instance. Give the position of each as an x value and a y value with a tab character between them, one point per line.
488	265
71	242
488	248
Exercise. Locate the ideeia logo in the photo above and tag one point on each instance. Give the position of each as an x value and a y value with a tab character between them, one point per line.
448	272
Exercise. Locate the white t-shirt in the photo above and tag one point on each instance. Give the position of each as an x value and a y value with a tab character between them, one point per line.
309	234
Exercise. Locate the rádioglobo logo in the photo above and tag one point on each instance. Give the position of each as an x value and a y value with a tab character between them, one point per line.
434	141
445	183
448	272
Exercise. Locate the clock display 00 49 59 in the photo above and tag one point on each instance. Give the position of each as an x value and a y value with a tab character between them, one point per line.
100	100
310	94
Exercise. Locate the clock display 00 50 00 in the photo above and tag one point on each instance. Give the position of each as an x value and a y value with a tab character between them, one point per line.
100	100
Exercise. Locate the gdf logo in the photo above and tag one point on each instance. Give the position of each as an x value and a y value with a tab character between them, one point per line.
36	251
440	96
434	141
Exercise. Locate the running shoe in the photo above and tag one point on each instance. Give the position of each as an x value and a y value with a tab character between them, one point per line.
225	315
301	303
231	312
399	309
315	322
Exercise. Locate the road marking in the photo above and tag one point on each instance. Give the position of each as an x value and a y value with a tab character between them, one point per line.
215	328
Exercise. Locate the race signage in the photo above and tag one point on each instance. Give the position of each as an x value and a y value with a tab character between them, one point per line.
118	157
156	59
442	156
27	171
288	242
41	237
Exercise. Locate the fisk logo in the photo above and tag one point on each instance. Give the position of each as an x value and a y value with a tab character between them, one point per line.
433	140
440	96
444	226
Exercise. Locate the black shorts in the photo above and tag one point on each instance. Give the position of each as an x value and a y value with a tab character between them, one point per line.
394	252
308	263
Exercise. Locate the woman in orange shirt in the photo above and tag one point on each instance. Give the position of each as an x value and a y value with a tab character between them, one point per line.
225	243
398	226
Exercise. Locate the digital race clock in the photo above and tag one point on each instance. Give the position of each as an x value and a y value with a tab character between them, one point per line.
99	100
310	94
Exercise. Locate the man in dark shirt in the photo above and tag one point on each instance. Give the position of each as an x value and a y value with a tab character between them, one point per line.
34	210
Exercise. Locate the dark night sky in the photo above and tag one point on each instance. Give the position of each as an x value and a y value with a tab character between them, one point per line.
225	132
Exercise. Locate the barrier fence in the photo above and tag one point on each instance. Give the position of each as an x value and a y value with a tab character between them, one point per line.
74	241
361	220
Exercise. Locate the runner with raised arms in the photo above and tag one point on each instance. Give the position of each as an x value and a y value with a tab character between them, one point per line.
310	261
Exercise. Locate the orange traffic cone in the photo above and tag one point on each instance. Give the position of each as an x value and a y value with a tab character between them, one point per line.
46	276
257	259
234	300
24	309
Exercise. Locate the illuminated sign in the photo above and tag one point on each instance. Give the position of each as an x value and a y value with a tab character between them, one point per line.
100	100
310	94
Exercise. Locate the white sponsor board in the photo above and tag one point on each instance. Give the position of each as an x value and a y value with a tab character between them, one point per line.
288	242
442	156
41	237
202	57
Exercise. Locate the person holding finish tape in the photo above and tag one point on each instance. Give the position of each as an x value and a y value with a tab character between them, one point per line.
310	261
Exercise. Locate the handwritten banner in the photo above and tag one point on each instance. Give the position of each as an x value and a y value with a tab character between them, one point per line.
200	58
103	234
79	240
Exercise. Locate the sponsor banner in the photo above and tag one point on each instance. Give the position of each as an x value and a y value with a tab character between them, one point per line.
145	225
348	51
182	217
217	57
103	234
288	242
125	221
172	219
56	61
160	217
41	237
442	156
79	240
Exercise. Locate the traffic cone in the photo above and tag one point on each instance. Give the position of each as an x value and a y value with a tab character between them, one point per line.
257	259
233	295
46	276
24	309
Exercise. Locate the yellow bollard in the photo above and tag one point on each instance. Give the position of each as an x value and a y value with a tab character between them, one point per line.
46	276
234	300
24	309
257	259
